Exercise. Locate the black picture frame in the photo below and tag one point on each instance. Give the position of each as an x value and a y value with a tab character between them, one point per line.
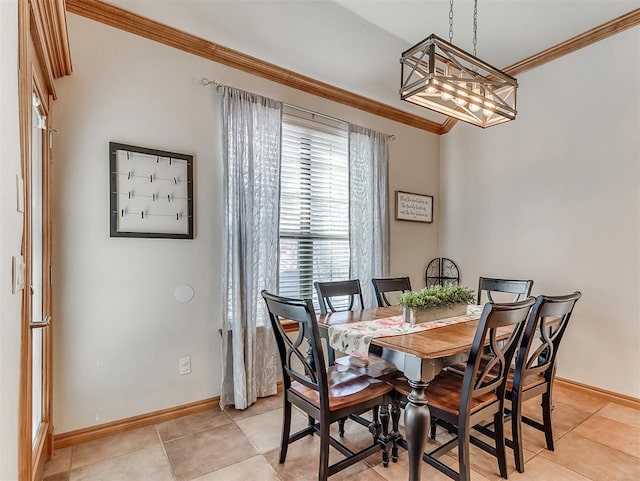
133	194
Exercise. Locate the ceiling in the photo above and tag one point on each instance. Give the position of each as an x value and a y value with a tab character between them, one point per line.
356	44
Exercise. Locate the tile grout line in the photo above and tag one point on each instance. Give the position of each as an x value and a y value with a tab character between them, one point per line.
164	452
254	446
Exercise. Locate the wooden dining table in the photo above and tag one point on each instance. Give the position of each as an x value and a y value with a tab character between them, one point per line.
420	356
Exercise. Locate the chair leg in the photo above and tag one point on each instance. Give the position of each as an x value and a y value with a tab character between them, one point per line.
432	430
498	425
395	429
341	426
384	422
547	409
516	431
286	429
323	468
464	462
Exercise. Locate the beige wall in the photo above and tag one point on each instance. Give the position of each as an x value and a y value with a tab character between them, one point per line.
119	330
10	241
554	197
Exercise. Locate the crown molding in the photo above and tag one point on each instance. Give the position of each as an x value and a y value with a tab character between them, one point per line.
607	29
612	27
156	31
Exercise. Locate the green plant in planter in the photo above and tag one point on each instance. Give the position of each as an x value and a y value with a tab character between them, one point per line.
437	296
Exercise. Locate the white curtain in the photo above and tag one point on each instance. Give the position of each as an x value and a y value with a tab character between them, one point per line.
251	137
368	212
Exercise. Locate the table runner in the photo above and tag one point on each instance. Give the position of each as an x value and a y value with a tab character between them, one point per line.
354	338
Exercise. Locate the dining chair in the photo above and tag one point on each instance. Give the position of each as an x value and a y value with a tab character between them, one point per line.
535	369
375	367
489	285
328	290
464	401
325	393
384	285
521	289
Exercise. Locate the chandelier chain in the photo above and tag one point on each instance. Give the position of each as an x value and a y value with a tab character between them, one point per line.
450	21
475	27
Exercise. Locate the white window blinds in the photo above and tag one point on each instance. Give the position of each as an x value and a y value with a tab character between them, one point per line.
314	204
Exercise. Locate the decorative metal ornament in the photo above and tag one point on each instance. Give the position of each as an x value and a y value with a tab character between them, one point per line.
439	76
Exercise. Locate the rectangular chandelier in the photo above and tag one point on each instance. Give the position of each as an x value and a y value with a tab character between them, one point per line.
439	76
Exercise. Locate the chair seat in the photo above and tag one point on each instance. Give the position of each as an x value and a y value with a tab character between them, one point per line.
443	393
346	388
529	382
373	366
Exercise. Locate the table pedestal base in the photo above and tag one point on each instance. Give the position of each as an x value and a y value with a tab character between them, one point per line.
416	423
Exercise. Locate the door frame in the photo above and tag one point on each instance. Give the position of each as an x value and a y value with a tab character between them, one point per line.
43	55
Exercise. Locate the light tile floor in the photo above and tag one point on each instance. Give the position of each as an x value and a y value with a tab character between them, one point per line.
595	440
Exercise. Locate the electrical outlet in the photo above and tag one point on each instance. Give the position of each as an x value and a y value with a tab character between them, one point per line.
184	365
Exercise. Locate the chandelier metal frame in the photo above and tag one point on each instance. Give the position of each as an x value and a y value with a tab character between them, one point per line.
439	76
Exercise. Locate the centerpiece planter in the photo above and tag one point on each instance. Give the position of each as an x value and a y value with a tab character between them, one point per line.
435	302
418	315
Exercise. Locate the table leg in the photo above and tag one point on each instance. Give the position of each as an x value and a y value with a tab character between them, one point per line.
416	423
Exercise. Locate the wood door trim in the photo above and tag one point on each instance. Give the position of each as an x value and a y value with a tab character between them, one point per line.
49	28
36	56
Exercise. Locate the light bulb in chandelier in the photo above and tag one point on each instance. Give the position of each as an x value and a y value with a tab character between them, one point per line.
460	101
447	92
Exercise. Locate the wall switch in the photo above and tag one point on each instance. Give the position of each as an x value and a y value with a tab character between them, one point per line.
17	277
19	194
184	365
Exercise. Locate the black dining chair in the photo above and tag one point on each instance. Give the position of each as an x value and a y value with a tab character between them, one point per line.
382	286
489	285
330	290
325	393
464	401
536	364
375	367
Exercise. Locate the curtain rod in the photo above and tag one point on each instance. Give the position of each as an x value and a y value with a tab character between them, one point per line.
206	82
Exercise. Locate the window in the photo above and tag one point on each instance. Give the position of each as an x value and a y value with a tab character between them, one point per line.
314	203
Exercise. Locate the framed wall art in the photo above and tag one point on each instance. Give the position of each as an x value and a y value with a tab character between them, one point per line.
414	207
151	192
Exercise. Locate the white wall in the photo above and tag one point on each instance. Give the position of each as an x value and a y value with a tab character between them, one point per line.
554	197
119	330
10	240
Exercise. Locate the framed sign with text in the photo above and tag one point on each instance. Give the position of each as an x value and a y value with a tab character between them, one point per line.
414	207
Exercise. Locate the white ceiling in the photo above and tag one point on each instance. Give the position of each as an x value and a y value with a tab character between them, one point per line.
356	44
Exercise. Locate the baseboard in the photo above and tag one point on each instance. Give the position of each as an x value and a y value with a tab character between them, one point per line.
79	436
629	401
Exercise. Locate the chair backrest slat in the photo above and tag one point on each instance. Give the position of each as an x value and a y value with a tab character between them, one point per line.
302	358
490	358
547	324
520	288
392	284
328	290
